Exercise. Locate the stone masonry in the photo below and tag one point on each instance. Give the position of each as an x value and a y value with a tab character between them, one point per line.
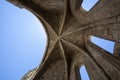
69	29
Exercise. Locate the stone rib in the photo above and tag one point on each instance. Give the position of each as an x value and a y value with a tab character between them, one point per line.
68	38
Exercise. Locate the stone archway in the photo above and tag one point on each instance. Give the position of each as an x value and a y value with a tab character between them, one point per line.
68	27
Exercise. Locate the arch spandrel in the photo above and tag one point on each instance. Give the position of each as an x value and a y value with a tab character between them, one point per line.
68	29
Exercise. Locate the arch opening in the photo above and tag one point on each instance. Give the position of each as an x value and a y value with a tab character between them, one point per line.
83	73
88	4
23	41
107	45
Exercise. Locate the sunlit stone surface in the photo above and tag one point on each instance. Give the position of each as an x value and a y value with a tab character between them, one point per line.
69	28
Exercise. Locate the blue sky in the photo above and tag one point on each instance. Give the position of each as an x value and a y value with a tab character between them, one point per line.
22	41
105	44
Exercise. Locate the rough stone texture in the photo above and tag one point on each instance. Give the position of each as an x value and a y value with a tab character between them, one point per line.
28	75
69	27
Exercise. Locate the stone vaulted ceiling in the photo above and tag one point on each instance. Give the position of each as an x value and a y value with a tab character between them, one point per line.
69	27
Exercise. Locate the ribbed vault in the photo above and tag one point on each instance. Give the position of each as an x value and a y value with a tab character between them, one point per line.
69	28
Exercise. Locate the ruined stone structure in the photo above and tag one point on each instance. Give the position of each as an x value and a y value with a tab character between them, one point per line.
29	74
69	28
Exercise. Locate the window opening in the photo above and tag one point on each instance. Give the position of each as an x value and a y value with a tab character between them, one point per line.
104	44
88	4
83	73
